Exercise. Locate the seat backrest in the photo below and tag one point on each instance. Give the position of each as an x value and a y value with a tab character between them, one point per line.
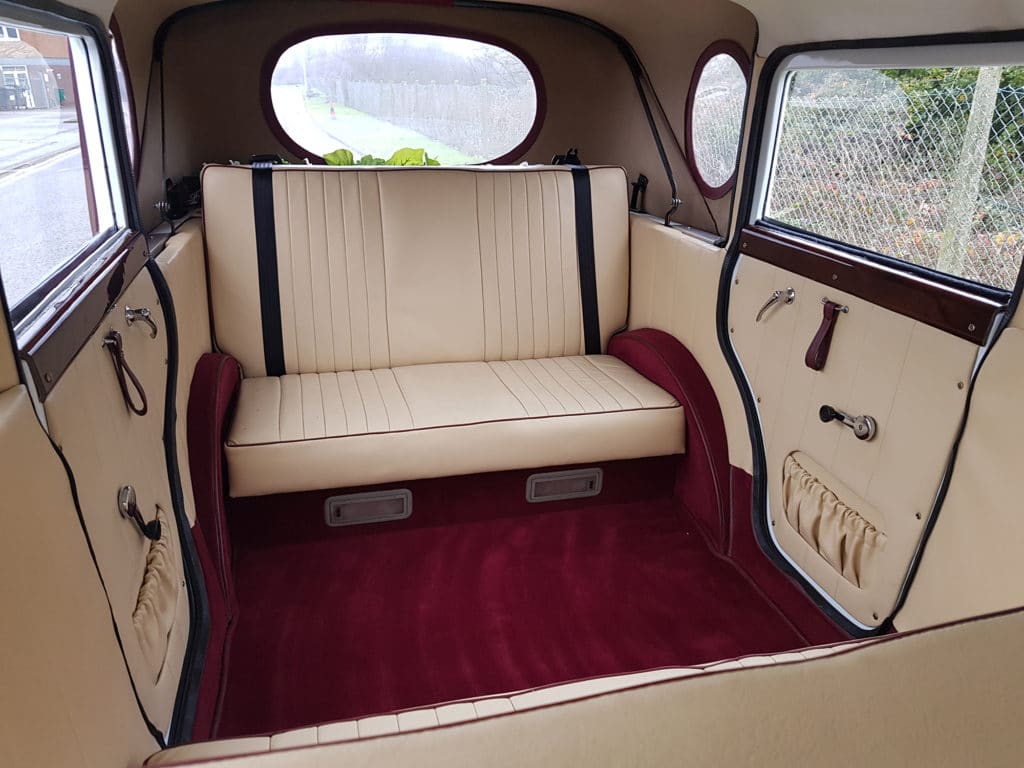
384	267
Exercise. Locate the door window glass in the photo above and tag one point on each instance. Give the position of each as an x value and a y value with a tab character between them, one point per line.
923	165
55	190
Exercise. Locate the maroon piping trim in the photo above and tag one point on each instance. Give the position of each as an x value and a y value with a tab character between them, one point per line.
550	417
422	28
736	51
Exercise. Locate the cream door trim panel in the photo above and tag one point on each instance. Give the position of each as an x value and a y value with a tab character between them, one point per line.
108	447
67	698
909	376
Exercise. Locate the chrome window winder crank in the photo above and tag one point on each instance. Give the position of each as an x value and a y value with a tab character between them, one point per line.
128	505
864	427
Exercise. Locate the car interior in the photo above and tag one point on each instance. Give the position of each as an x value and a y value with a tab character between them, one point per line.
467	382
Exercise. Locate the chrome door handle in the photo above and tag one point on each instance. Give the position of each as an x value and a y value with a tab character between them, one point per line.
144	315
785	296
864	427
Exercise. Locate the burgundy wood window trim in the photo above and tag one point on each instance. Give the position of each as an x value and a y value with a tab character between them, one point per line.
736	51
419	28
955	312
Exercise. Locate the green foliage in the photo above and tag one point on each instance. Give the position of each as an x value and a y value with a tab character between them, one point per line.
944	94
406	156
340	157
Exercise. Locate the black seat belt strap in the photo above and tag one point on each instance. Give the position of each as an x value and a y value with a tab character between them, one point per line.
266	262
585	256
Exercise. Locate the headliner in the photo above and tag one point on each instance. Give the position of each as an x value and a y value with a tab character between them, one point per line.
781	22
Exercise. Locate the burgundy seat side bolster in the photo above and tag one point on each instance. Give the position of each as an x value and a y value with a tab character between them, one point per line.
703	479
211	401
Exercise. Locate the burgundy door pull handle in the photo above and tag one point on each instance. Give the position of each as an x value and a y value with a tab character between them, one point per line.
817	353
114	344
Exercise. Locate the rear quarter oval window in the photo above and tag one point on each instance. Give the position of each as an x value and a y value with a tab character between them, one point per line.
371	94
714	116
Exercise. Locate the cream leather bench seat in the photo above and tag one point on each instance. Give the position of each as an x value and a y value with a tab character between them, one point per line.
471	709
403	323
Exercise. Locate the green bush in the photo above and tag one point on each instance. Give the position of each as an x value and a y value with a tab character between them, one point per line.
404	156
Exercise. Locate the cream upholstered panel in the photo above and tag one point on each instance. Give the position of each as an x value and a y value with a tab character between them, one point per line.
951	696
67	699
183	264
308	431
909	376
234	289
331	270
674	288
972	563
402	266
466	710
109	447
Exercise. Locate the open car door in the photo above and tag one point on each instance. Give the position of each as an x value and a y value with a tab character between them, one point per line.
865	285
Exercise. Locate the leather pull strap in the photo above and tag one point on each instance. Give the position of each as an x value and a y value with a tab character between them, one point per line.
817	353
114	344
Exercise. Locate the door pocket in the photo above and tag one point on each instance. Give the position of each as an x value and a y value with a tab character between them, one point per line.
837	527
157	604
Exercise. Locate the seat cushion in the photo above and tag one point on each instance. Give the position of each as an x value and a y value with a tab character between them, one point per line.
472	709
334	430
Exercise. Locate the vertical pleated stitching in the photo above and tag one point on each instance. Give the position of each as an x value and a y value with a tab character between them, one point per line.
588	383
335	412
319	274
504	255
585	402
377	283
540	382
573	307
397	407
513	381
537	267
606	382
356	418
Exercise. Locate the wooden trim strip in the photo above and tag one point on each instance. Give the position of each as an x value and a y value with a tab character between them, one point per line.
960	314
52	350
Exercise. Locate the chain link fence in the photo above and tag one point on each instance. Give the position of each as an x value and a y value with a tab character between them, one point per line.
928	171
717	119
482	119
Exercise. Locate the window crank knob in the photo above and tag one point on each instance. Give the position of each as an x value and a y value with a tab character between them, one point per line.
827	413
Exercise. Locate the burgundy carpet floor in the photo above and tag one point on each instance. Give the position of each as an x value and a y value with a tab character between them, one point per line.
388	618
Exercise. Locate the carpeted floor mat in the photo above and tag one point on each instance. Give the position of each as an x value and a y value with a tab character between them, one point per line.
386	618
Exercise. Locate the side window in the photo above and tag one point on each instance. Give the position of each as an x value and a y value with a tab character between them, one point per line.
369	95
922	165
715	110
59	183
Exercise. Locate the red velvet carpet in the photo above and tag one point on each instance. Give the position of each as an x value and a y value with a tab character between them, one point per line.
390	616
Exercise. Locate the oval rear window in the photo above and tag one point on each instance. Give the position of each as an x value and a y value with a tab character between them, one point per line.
461	101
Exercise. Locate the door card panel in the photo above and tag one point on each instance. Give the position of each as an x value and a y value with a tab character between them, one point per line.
909	376
109	447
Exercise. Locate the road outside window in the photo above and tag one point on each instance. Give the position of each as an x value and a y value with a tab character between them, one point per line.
461	101
46	193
